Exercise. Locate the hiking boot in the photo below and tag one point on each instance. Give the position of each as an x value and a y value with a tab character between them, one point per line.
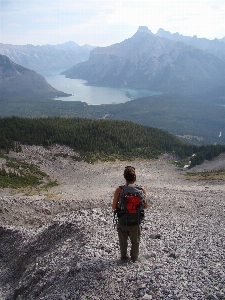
134	259
124	258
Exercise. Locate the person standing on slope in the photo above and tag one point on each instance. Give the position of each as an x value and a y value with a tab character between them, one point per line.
125	199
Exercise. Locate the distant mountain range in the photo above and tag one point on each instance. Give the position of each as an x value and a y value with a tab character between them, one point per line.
215	47
47	57
147	60
162	62
16	80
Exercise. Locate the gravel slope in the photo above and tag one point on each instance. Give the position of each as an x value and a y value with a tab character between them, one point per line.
62	244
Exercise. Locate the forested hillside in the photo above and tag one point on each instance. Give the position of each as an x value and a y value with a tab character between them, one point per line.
105	139
99	139
195	120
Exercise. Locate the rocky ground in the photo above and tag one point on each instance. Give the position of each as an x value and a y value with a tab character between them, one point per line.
61	243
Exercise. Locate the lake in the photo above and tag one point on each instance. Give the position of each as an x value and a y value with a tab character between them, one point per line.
93	95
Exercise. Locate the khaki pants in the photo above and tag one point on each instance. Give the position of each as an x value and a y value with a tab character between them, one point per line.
134	233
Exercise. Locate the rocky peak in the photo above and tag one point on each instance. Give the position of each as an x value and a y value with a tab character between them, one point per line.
144	29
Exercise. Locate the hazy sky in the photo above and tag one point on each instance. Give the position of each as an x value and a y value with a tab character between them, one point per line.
103	22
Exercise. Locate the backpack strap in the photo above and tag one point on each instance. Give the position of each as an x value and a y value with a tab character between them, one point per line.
115	218
122	191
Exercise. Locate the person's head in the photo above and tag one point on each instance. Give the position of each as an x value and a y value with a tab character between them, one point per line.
129	174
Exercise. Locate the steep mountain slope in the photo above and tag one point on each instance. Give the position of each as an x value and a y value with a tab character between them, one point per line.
215	47
47	57
16	80
149	61
60	243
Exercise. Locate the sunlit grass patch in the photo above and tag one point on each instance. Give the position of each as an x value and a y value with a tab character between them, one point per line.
212	175
17	174
50	196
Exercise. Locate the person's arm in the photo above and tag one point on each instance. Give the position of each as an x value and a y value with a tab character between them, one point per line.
116	198
146	200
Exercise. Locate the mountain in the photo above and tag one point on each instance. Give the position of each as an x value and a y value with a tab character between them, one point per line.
47	57
16	80
149	61
215	47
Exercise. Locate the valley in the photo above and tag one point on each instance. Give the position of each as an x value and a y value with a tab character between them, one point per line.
119	80
196	120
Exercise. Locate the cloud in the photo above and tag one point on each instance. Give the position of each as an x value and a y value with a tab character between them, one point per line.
14	25
102	22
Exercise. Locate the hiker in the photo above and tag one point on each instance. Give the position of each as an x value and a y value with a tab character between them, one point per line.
129	220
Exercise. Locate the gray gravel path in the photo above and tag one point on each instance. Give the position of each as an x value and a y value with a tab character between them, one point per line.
62	244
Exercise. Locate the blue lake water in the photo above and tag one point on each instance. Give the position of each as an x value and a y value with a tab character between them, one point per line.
94	95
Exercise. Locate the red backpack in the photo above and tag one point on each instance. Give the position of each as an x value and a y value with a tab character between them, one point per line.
130	207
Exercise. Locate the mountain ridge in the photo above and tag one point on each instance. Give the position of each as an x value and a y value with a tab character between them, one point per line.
148	61
16	80
215	47
47	57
